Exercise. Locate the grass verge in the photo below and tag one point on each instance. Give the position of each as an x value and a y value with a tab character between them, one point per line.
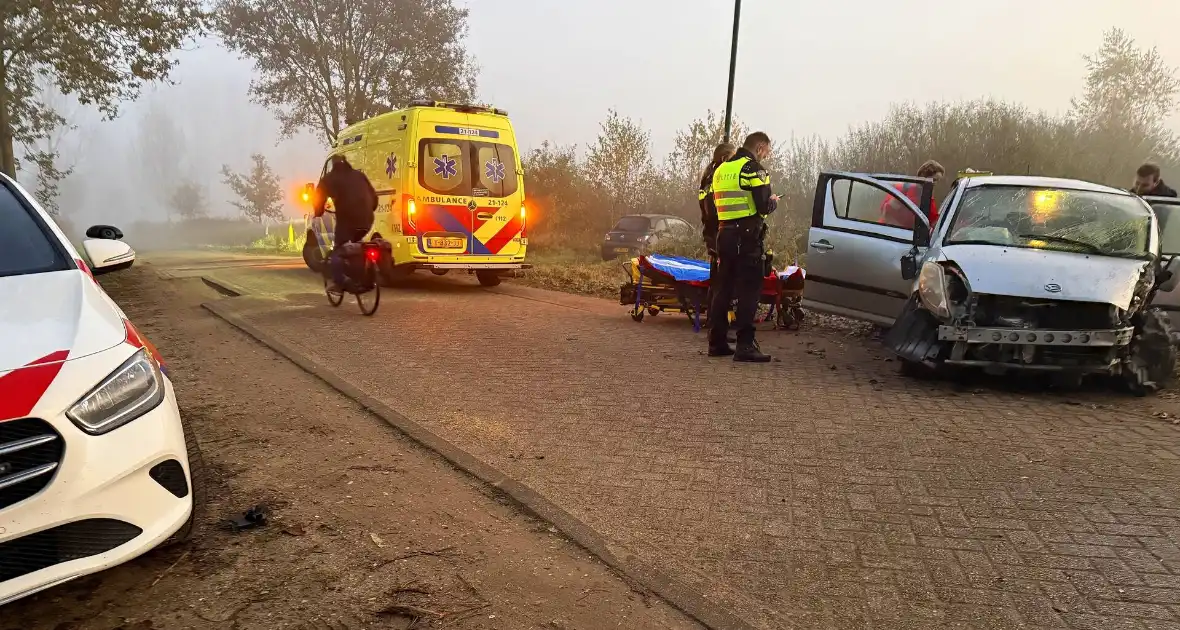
574	272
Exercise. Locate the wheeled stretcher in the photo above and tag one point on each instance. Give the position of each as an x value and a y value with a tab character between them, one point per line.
657	284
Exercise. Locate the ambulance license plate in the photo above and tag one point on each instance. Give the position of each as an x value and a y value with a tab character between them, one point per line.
446	242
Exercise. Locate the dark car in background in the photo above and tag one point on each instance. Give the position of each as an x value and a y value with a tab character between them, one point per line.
636	233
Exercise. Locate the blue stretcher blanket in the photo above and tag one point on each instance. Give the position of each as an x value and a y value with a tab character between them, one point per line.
696	271
680	269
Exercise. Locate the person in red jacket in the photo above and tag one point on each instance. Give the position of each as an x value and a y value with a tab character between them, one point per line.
895	214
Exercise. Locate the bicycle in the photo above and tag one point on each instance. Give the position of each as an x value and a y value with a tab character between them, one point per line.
360	275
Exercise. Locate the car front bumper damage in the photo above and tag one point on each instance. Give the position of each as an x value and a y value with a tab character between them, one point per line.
1089	350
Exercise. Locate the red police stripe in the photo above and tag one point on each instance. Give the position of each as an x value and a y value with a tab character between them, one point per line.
85	269
22	388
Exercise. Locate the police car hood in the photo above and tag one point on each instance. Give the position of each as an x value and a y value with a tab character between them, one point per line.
1046	275
53	317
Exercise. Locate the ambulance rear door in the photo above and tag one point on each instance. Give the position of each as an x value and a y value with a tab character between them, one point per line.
496	222
470	202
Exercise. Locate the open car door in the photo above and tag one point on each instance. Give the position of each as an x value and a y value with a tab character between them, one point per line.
1167	211
861	227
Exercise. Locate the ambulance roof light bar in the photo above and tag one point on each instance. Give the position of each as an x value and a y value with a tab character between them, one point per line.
459	107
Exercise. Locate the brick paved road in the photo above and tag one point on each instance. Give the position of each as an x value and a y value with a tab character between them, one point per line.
823	491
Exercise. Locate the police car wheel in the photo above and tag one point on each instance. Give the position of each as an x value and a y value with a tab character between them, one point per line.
197	488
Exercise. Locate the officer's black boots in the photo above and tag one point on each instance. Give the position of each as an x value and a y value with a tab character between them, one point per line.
749	352
720	351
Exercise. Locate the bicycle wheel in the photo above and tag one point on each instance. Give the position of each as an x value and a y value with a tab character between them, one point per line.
368	301
335	299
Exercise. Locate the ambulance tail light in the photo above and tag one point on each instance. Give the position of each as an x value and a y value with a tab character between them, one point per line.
409	225
523	222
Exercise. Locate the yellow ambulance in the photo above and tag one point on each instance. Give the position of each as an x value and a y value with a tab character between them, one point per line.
450	191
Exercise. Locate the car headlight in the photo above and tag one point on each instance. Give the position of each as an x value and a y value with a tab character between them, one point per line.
132	390
932	290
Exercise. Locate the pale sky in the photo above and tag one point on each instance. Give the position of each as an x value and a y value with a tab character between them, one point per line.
804	67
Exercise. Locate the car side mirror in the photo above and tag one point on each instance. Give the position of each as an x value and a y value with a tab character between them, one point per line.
1170	276
108	232
107	255
909	265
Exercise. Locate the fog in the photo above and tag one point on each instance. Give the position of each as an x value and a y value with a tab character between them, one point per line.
804	68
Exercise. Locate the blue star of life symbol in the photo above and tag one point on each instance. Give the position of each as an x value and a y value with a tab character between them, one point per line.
494	170
444	167
390	165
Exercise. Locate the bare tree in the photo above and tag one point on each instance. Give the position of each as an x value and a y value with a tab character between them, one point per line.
160	155
1126	85
324	64
100	51
694	145
44	154
619	162
188	201
260	192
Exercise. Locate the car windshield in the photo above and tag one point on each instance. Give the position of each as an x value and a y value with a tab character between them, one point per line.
25	246
632	224
1081	221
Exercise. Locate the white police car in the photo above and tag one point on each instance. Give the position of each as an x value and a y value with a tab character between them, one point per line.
96	464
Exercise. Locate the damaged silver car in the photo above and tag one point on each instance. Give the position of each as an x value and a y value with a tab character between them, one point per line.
1015	274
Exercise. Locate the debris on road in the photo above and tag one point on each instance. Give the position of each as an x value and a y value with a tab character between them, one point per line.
252	518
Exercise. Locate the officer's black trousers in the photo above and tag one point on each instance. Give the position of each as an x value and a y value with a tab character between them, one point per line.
738	276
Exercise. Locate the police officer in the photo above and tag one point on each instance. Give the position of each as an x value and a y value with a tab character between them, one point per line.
355	201
722	153
741	192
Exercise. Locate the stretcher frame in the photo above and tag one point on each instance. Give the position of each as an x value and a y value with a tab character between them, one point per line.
650	291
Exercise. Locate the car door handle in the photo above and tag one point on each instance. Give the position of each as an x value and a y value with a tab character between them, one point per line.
822	245
484	216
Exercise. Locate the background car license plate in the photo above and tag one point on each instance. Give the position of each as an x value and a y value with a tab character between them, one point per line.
621	250
446	242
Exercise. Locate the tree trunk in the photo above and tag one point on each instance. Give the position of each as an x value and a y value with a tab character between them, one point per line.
7	151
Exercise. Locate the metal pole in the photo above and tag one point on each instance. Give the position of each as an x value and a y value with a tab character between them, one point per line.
737	14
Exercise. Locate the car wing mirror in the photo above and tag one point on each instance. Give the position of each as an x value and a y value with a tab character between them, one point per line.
909	265
108	232
108	255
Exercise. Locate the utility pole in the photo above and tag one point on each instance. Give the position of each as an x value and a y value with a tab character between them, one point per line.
737	14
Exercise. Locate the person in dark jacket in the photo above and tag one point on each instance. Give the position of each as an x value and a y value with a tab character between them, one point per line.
1148	182
709	222
354	200
741	192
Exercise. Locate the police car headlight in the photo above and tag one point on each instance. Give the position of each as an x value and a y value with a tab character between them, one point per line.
932	290
132	390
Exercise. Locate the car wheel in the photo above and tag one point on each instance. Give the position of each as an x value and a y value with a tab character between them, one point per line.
1152	361
488	278
914	369
391	275
198	476
312	257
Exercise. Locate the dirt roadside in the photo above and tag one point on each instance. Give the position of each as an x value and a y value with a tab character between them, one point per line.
367	529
